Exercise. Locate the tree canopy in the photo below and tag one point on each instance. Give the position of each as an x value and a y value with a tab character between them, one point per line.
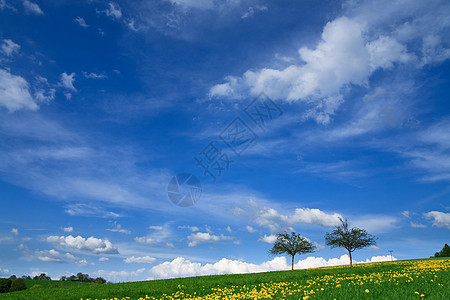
351	239
291	244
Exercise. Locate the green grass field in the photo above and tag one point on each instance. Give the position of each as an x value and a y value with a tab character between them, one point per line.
412	279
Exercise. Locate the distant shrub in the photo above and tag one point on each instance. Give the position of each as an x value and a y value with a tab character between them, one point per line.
99	280
18	284
5	285
36	287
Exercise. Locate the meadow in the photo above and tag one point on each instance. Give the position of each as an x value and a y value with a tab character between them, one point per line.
411	279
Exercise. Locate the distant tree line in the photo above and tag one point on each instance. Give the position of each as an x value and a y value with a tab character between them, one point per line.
14	284
83	278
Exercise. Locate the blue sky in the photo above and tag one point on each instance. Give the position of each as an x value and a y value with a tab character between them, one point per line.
102	103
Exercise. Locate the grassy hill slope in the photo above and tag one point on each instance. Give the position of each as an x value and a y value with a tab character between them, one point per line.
411	279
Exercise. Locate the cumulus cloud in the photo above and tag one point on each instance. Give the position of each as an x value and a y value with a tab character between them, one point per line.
268	238
275	221
15	231
439	219
15	93
10	48
67	80
56	256
114	10
68	229
182	267
103	259
32	8
385	51
80	21
250	229
91	244
206	237
340	59
140	260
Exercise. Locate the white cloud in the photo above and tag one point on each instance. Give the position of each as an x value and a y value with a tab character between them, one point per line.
268	238
43	95
327	68
10	48
4	271
140	260
103	259
94	75
191	228
252	10
155	227
32	8
273	220
116	276
14	92
68	229
432	50
114	11
340	59
205	237
385	51
15	231
67	80
417	225
118	228
145	240
250	229
229	229
315	216
181	267
131	25
439	219
81	22
201	4
4	5
56	256
91	244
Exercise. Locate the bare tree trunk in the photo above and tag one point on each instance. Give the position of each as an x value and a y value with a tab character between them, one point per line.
350	254
292	268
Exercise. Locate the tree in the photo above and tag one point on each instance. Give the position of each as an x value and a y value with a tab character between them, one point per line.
350	239
291	244
5	284
445	252
18	284
43	276
99	280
